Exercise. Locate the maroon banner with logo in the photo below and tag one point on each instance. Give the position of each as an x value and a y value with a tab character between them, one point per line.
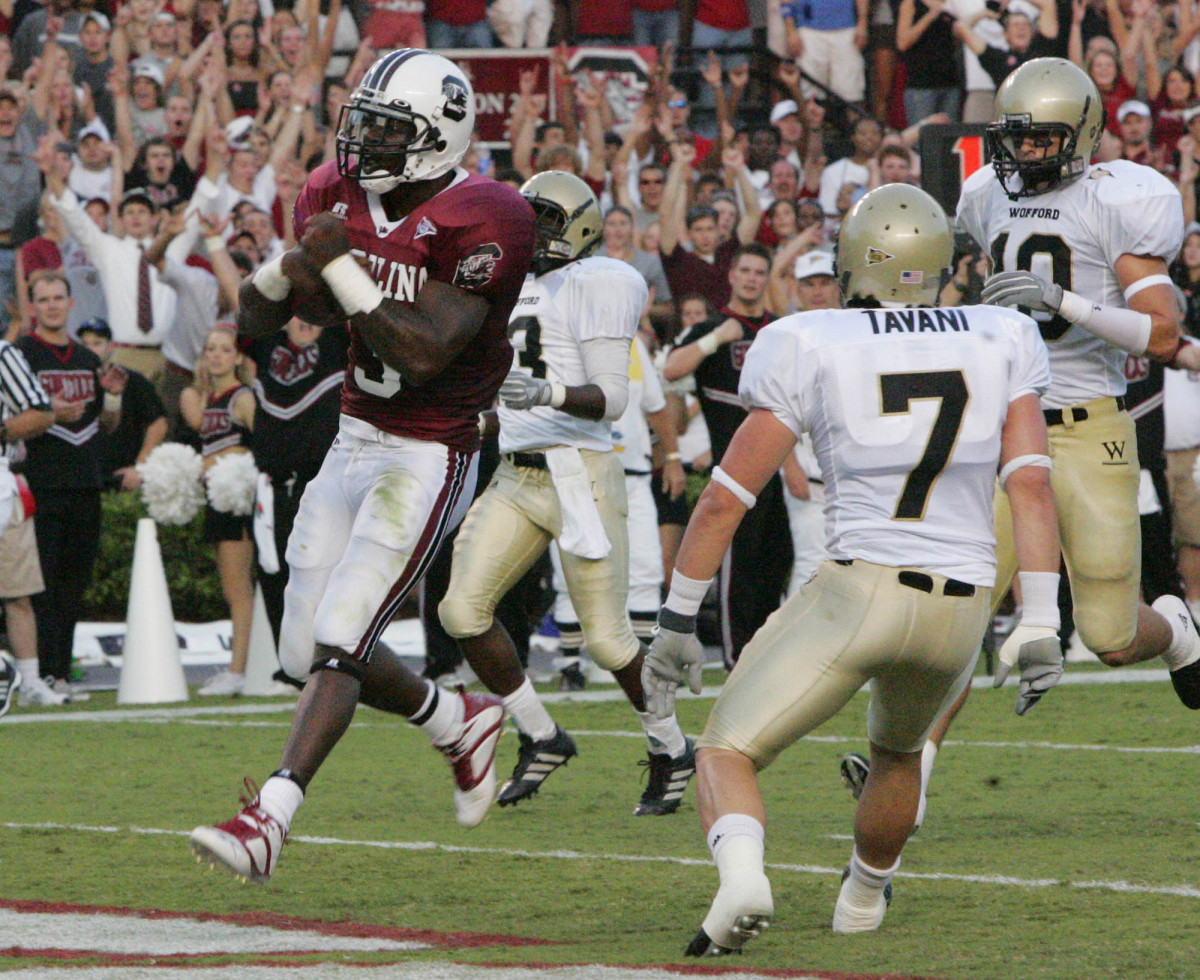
496	78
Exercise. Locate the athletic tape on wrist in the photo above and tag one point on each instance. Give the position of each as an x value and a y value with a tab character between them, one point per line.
558	394
709	343
686	594
112	403
271	282
1039	599
354	289
214	243
1029	459
729	483
1127	329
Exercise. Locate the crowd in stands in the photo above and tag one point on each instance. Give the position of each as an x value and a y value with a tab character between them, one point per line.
151	152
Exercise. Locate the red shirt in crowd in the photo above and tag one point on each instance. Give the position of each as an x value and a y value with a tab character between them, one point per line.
456	13
724	15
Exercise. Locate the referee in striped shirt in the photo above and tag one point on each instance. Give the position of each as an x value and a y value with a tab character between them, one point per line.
25	412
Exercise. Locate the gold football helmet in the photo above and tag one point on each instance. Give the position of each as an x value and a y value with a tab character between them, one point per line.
569	222
1042	99
895	247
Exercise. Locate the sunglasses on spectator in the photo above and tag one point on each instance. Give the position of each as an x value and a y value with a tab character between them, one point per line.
677	104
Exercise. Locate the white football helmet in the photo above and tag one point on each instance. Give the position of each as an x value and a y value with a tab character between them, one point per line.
411	118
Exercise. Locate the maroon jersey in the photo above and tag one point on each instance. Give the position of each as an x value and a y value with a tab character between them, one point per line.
477	235
219	429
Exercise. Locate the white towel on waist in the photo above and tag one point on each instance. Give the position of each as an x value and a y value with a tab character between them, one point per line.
582	530
264	524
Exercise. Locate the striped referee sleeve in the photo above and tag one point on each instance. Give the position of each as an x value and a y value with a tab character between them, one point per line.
20	389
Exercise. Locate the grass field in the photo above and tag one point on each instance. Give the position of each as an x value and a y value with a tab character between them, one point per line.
1060	845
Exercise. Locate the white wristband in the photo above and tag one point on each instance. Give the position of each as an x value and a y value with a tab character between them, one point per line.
271	282
686	594
1030	459
1039	599
214	243
709	343
1126	329
558	394
354	289
112	403
747	499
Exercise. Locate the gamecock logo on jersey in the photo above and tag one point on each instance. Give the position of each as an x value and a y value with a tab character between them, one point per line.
476	269
456	98
737	353
288	366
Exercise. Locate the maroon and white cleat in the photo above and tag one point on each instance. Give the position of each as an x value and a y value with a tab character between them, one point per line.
472	755
248	845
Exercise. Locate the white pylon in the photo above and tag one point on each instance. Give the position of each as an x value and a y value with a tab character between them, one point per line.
151	671
261	659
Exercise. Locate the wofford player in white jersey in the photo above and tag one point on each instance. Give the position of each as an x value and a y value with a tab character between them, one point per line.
560	480
912	412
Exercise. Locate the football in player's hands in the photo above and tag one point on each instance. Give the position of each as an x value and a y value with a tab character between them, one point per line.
311	298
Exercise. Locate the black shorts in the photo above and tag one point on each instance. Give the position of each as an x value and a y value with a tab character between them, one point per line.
669	511
219	526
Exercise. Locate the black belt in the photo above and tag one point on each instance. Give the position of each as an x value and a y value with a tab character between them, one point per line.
924	583
1054	416
533	461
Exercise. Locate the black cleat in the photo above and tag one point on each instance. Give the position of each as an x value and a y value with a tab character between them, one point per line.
10	681
571	679
668	779
855	769
535	761
701	945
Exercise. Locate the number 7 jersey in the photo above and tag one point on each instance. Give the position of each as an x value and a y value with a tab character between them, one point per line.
905	409
1073	236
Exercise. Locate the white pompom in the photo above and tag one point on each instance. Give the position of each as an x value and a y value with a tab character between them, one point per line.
172	487
231	484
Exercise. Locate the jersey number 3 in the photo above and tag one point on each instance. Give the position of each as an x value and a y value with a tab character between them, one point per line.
897	392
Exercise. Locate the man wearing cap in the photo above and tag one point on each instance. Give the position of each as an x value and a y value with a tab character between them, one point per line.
827	41
1134	119
785	117
816	288
144	102
19	183
93	67
95	164
141	308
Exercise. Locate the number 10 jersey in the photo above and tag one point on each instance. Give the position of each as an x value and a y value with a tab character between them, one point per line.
1073	236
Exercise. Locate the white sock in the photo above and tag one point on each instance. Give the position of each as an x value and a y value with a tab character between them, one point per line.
529	713
663	735
1181	651
30	678
735	840
446	716
865	883
281	798
928	754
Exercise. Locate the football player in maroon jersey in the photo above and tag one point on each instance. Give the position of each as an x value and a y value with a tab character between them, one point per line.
427	261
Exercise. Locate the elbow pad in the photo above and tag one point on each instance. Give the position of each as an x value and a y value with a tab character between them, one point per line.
606	363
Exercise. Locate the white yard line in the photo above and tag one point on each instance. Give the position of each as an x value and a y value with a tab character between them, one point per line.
1120	887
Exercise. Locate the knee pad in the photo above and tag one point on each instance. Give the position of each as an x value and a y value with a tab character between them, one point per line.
463	619
613	651
296	642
